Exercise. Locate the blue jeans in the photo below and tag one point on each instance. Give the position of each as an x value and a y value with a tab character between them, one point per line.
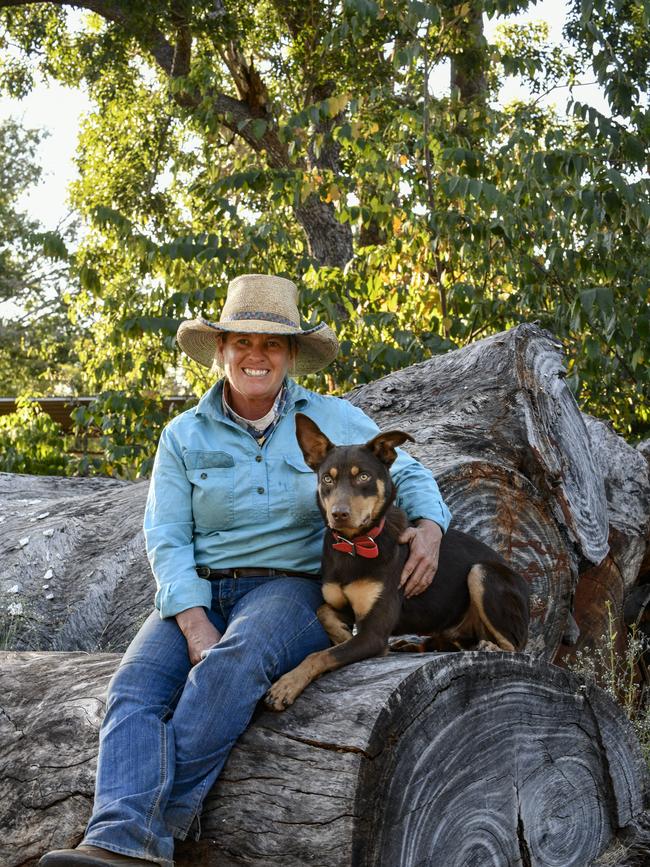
169	727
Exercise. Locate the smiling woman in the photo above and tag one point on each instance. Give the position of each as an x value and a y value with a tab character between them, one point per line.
234	538
255	366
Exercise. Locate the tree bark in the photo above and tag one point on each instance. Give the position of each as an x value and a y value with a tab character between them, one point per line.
470	59
73	559
455	759
627	488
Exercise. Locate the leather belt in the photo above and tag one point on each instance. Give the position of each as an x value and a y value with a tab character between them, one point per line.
251	572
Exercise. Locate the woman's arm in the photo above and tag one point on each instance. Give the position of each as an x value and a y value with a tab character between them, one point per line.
169	530
199	632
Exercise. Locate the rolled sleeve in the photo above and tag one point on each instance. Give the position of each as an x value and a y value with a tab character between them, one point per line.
168	530
418	492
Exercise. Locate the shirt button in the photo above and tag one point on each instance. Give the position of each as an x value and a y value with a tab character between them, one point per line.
260	490
204	475
258	458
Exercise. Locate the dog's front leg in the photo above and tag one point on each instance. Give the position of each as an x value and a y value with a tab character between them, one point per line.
337	624
369	641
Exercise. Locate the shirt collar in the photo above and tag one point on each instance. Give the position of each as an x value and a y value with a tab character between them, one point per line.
210	403
259	425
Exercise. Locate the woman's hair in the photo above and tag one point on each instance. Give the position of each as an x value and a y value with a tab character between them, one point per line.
217	364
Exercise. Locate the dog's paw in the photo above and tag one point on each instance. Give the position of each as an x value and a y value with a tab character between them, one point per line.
406	645
488	646
282	694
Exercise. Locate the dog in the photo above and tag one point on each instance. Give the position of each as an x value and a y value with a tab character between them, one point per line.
476	601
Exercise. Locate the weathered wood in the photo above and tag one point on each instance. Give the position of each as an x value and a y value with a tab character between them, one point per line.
608	589
503	400
477	759
459	759
500	506
598	608
627	489
72	554
644	570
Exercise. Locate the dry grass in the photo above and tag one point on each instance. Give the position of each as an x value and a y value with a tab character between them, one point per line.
618	675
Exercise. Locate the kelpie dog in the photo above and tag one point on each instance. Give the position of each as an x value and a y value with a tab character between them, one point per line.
476	600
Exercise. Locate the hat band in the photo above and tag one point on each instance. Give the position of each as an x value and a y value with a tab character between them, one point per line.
258	314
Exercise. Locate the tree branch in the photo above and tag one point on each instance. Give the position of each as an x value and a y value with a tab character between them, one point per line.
180	15
117	13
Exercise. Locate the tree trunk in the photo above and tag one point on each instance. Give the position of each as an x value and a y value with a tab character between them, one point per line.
459	759
470	61
455	759
329	241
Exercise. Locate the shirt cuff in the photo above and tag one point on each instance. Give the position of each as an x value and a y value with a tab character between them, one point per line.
179	595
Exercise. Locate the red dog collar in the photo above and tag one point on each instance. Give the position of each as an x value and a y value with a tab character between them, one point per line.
364	546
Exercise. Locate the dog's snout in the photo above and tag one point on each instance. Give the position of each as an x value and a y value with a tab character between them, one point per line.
340	511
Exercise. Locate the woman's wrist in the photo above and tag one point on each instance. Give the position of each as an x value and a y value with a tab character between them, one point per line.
190	617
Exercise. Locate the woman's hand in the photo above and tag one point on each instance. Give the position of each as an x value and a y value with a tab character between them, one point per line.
420	568
199	632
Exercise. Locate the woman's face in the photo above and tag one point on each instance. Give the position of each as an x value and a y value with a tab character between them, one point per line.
255	365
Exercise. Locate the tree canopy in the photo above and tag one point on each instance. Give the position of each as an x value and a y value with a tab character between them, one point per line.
306	139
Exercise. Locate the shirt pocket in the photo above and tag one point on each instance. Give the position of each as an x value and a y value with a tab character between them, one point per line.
212	476
302	484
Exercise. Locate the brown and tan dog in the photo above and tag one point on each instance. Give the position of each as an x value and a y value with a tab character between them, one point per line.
476	601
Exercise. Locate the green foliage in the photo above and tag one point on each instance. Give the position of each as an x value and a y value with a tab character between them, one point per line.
123	430
31	442
288	121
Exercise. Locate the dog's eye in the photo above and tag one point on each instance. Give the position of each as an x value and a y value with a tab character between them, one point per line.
327	479
363	477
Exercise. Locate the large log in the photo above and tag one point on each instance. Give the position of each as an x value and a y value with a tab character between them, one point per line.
607	597
494	421
502	399
466	760
501	431
73	559
460	759
627	489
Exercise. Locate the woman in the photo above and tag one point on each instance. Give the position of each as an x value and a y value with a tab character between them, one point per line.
234	539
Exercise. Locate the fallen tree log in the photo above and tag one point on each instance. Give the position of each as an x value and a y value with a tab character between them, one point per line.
463	759
505	400
607	592
494	421
73	560
455	759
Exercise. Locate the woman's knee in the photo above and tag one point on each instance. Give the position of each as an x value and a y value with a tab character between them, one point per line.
279	636
152	672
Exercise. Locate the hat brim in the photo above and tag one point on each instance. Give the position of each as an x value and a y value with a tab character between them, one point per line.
317	346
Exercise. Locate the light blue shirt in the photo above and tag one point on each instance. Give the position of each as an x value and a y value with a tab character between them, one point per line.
218	499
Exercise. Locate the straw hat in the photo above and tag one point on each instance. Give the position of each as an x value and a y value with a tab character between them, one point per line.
260	304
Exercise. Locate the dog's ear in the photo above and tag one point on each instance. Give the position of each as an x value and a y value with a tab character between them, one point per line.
312	441
384	445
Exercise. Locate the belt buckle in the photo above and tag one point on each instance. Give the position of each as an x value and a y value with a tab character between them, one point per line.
203	571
